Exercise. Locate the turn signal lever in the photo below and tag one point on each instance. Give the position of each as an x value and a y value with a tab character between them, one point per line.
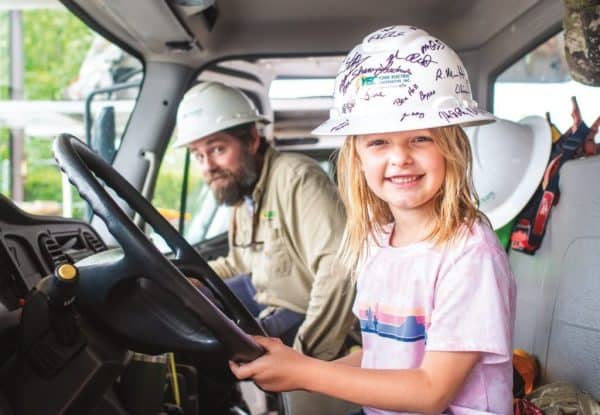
61	295
49	323
61	290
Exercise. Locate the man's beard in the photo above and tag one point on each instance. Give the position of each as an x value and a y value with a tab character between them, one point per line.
237	184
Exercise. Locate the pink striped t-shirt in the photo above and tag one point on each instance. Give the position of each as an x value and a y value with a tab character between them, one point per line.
457	297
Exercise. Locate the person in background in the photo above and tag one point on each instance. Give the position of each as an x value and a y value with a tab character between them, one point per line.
286	222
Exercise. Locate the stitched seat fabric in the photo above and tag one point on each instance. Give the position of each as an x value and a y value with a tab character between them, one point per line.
558	288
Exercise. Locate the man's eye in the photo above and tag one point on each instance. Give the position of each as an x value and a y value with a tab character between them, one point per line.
218	150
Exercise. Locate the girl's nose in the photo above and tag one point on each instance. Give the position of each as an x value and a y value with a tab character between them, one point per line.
400	155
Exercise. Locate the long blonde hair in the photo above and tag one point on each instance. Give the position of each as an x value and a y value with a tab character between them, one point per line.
456	204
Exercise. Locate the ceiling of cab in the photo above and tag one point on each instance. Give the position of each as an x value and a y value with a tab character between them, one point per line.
179	31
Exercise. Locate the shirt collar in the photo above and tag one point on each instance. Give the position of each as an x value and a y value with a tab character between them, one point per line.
263	179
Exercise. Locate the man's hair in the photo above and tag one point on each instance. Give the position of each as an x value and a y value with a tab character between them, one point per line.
455	205
243	133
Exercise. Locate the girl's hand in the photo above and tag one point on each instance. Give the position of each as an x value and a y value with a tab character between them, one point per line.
280	369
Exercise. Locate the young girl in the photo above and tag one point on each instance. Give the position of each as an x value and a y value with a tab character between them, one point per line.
435	295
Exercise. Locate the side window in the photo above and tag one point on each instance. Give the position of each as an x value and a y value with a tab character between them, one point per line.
208	219
203	217
88	92
540	83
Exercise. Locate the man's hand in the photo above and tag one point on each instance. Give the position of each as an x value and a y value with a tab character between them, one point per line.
196	282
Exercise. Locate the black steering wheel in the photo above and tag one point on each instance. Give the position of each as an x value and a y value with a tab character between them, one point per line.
139	295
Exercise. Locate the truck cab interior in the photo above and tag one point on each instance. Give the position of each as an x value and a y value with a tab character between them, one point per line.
91	290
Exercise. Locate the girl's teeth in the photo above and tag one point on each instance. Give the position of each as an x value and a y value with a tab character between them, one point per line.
403	180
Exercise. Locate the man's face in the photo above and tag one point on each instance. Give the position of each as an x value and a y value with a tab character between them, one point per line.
227	165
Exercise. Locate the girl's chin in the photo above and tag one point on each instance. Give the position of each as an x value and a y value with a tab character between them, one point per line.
408	205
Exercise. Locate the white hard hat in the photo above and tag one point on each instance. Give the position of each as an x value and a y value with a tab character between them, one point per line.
509	160
401	78
210	107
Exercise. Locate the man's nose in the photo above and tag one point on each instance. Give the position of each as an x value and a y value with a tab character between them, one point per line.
207	164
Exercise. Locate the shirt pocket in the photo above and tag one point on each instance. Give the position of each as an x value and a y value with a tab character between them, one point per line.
276	258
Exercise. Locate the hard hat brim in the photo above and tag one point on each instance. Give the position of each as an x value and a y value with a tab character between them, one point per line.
504	212
402	121
223	126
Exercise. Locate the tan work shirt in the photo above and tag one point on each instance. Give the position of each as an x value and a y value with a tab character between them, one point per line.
298	221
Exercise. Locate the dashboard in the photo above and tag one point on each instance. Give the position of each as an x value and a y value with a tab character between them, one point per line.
31	246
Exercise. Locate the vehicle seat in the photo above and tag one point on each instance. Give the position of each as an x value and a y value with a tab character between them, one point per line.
558	299
303	403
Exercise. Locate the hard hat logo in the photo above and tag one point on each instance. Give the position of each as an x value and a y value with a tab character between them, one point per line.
210	107
401	78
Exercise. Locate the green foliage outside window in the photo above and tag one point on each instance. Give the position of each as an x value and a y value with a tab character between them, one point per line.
55	44
4	94
4	55
49	69
167	192
43	177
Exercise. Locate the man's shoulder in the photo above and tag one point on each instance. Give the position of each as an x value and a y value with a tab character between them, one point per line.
290	166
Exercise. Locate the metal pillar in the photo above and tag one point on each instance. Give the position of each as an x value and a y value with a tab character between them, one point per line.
17	135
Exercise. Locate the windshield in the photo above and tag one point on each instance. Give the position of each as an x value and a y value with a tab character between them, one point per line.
89	93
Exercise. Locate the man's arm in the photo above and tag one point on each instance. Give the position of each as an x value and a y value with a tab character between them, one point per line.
224	266
320	219
230	265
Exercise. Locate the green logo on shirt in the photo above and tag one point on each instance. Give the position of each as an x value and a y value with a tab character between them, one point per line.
268	214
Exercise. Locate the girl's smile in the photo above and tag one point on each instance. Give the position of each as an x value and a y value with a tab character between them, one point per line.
405	180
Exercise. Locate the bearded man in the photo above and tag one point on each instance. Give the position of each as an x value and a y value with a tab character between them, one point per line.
286	222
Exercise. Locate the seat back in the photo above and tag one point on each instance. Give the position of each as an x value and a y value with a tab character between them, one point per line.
304	403
558	297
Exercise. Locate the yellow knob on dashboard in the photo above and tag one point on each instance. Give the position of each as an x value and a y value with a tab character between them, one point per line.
66	271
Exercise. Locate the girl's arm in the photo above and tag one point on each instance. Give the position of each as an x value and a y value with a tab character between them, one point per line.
428	389
351	359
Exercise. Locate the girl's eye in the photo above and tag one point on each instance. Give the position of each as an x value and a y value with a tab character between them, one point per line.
422	139
375	142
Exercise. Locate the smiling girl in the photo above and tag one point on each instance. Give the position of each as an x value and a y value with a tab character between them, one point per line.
435	295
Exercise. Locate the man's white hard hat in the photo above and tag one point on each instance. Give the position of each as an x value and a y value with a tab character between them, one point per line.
401	78
210	107
509	160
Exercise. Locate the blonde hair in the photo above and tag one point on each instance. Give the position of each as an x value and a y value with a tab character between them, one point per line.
456	204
